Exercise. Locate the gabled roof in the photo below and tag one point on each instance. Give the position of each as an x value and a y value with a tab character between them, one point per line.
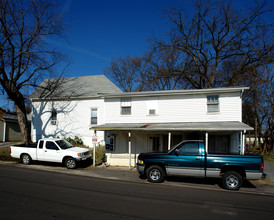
83	87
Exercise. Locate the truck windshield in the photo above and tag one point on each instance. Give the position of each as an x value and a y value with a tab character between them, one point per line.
64	144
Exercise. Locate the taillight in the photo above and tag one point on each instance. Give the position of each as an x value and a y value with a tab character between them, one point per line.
262	166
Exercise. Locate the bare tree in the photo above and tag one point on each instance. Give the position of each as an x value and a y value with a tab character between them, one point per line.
127	72
258	107
160	71
215	36
25	58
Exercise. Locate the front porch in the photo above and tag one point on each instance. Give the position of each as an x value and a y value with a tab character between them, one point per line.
124	142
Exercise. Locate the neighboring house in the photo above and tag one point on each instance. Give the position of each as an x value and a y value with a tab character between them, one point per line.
9	127
154	121
68	107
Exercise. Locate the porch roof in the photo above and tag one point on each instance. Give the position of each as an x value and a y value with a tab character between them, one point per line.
174	126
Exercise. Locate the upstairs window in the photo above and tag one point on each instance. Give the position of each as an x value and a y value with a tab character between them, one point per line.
53	117
94	117
213	103
126	106
152	106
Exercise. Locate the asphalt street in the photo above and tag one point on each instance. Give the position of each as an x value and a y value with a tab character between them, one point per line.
37	194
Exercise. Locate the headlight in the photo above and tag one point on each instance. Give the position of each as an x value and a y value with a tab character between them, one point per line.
140	162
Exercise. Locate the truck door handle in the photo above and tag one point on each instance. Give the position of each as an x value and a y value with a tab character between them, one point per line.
197	158
45	150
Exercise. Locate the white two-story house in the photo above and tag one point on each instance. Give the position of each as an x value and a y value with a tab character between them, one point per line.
155	121
131	123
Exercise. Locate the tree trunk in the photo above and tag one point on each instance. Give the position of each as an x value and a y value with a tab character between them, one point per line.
23	123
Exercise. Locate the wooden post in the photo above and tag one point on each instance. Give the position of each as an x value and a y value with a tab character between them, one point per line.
169	140
129	149
206	143
94	149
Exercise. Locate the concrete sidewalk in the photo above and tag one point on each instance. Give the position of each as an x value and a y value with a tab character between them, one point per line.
124	174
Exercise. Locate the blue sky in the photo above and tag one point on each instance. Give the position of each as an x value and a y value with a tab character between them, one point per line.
97	31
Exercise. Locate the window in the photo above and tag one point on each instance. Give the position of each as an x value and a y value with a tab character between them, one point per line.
213	103
94	117
41	143
152	106
51	145
126	106
53	117
191	148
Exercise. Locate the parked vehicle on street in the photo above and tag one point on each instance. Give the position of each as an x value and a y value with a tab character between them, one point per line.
51	150
189	158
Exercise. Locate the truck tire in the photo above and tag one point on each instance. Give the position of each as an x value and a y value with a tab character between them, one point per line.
70	163
155	174
232	180
26	159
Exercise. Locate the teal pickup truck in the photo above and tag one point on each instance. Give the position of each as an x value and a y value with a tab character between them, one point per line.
189	159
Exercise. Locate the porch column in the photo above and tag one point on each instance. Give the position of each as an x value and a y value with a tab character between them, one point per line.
244	142
129	150
169	140
241	143
94	149
206	143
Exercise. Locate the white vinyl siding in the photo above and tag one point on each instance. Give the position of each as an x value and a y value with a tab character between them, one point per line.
125	106
94	116
152	106
74	118
180	108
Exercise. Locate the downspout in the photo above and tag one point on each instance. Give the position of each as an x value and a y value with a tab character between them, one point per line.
4	132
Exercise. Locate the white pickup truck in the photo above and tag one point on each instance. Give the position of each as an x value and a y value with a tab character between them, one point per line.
51	150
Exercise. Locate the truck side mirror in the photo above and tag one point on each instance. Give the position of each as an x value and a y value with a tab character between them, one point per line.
176	152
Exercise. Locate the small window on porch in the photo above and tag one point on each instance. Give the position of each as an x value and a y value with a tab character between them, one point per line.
213	103
126	106
94	117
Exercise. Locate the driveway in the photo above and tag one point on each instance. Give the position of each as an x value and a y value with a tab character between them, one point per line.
269	170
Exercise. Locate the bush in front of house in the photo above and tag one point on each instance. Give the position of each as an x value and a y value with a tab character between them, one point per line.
75	141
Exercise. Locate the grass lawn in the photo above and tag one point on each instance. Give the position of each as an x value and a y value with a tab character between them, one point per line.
269	158
5	154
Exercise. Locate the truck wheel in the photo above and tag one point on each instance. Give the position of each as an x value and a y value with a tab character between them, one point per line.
232	180
70	163
155	174
26	159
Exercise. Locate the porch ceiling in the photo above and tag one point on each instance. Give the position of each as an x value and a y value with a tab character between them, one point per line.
174	126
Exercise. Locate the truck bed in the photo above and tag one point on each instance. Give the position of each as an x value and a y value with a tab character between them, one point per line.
28	146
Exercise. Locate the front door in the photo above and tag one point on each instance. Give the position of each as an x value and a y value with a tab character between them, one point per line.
155	144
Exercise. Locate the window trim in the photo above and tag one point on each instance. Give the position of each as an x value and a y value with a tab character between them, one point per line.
125	103
214	101
93	117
